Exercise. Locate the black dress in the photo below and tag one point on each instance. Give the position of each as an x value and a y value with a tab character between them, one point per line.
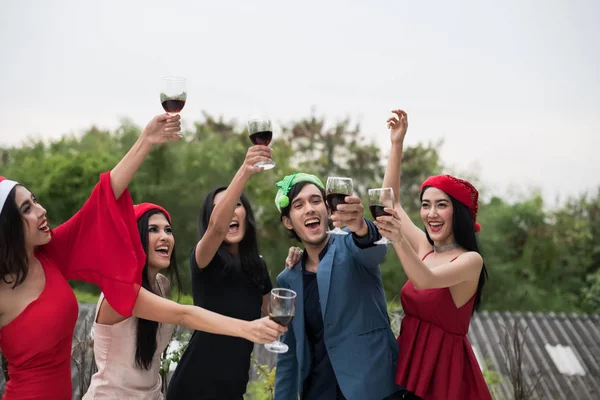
213	366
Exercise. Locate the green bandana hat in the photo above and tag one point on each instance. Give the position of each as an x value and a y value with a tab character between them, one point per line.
284	186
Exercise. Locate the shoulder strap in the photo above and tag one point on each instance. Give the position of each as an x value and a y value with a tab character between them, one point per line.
425	256
160	286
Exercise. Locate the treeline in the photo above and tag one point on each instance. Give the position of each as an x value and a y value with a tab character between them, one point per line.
538	259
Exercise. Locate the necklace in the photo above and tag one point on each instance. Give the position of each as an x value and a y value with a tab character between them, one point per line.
446	247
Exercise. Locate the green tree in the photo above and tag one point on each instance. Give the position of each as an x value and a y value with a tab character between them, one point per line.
538	258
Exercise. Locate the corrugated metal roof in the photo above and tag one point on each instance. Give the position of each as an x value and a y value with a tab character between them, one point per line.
572	341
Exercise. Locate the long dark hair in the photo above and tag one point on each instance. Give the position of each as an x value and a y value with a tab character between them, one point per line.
248	259
464	233
13	255
147	330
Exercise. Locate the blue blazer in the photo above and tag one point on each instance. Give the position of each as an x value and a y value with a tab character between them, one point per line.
359	340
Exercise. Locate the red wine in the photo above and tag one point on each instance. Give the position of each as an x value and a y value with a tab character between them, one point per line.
282	320
377	211
173	105
335	199
263	138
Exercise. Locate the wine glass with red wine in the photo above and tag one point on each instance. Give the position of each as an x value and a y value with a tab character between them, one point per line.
261	132
173	94
282	307
378	200
336	190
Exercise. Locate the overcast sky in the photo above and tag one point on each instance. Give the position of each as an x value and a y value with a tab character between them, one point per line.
512	87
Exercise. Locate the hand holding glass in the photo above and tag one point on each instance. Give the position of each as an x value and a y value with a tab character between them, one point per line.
261	132
378	200
336	191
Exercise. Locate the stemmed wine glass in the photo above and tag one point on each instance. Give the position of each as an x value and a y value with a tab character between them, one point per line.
378	200
173	94
282	307
261	132
337	189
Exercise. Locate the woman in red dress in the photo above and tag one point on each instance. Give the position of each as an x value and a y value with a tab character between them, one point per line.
446	276
99	244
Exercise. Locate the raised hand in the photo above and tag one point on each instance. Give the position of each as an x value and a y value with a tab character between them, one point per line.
350	214
256	154
398	125
162	128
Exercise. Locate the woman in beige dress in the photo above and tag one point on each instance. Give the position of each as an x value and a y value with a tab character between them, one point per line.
127	351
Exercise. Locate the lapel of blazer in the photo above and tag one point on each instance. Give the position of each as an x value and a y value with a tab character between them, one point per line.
297	285
324	276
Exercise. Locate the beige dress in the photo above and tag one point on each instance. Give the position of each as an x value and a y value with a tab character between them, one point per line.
118	376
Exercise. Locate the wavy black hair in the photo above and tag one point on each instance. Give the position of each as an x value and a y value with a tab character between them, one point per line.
146	329
463	227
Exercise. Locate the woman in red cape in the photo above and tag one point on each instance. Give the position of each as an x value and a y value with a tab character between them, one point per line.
446	275
99	244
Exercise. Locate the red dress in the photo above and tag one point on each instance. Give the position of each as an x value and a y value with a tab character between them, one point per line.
100	244
436	360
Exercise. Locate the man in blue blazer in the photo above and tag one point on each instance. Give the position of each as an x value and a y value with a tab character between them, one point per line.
340	342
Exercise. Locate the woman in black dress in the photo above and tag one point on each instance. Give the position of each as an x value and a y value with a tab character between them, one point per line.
228	277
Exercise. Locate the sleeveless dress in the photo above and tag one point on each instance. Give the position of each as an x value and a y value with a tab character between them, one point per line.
216	367
118	375
436	360
99	244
